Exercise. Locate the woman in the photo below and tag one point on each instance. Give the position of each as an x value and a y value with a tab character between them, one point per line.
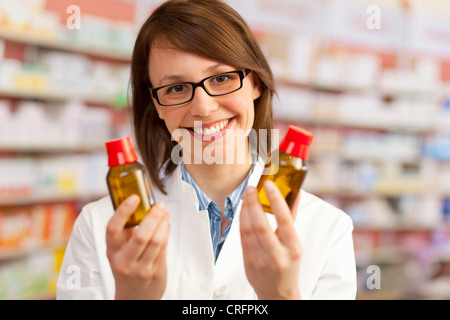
200	83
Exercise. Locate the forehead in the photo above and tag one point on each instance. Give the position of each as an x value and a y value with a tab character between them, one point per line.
168	62
167	55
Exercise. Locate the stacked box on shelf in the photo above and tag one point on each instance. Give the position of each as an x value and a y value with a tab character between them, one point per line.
68	72
27	179
45	125
33	276
25	228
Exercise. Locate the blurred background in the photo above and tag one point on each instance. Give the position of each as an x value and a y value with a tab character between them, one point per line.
370	78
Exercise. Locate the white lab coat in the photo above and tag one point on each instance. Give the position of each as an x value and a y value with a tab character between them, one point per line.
327	268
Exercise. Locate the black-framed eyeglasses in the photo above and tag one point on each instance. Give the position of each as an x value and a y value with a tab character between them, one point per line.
217	85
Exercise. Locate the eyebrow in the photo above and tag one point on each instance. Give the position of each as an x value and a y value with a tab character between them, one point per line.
179	78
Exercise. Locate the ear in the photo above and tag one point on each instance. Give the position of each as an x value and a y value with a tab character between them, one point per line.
256	87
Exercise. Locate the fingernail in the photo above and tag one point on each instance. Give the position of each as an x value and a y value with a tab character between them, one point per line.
132	199
250	190
161	205
269	186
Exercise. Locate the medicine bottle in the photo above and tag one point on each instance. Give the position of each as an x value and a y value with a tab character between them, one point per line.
287	167
127	176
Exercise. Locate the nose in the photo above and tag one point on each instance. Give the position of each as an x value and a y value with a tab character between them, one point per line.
202	104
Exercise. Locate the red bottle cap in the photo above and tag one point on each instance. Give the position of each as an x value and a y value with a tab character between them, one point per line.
296	142
120	151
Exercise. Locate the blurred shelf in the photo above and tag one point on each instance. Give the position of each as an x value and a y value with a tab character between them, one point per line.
385	192
399	228
384	91
50	148
33	37
39	199
54	96
15	253
316	86
341	192
359	125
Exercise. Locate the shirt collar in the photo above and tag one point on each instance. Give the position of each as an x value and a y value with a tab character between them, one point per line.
205	201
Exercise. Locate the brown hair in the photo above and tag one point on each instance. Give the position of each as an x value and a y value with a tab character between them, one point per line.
207	28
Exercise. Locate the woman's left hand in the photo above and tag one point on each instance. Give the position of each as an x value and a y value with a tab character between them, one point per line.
271	259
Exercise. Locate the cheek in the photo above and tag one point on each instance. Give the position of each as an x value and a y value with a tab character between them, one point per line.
248	113
170	118
244	106
158	110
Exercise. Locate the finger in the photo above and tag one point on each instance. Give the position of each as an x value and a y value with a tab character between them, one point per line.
258	225
143	233
156	248
115	230
286	232
250	244
294	210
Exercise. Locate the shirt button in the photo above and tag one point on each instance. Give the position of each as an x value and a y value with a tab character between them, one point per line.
220	292
229	206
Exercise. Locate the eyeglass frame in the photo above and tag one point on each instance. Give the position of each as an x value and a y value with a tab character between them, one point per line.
242	74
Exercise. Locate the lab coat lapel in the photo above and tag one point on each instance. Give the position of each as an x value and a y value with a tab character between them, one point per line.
229	268
232	249
193	265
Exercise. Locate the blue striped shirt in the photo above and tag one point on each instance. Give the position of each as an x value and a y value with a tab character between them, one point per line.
215	216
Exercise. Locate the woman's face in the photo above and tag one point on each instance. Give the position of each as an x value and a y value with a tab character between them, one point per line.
225	121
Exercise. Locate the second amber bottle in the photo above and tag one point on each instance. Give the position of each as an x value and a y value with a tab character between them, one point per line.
287	167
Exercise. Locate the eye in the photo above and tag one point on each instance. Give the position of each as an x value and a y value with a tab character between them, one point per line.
221	78
176	88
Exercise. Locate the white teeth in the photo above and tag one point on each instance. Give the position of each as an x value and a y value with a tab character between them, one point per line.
213	129
198	130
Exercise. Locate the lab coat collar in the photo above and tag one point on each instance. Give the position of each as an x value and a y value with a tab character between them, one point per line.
183	189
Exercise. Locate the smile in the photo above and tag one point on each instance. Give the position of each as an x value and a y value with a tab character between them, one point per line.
208	132
212	129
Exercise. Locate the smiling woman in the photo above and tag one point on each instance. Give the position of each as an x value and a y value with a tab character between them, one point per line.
205	104
220	36
200	82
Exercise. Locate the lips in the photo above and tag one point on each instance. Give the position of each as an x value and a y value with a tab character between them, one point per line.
211	130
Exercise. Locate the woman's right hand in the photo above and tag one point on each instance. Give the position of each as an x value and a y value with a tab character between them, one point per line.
138	255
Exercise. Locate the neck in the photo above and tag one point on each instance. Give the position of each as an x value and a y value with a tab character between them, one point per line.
219	180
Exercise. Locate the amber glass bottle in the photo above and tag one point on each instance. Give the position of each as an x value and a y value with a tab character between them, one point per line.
127	176
287	167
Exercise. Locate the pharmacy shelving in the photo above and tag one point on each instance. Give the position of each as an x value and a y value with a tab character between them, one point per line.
54	96
53	198
49	148
63	93
380	117
335	106
397	229
52	42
